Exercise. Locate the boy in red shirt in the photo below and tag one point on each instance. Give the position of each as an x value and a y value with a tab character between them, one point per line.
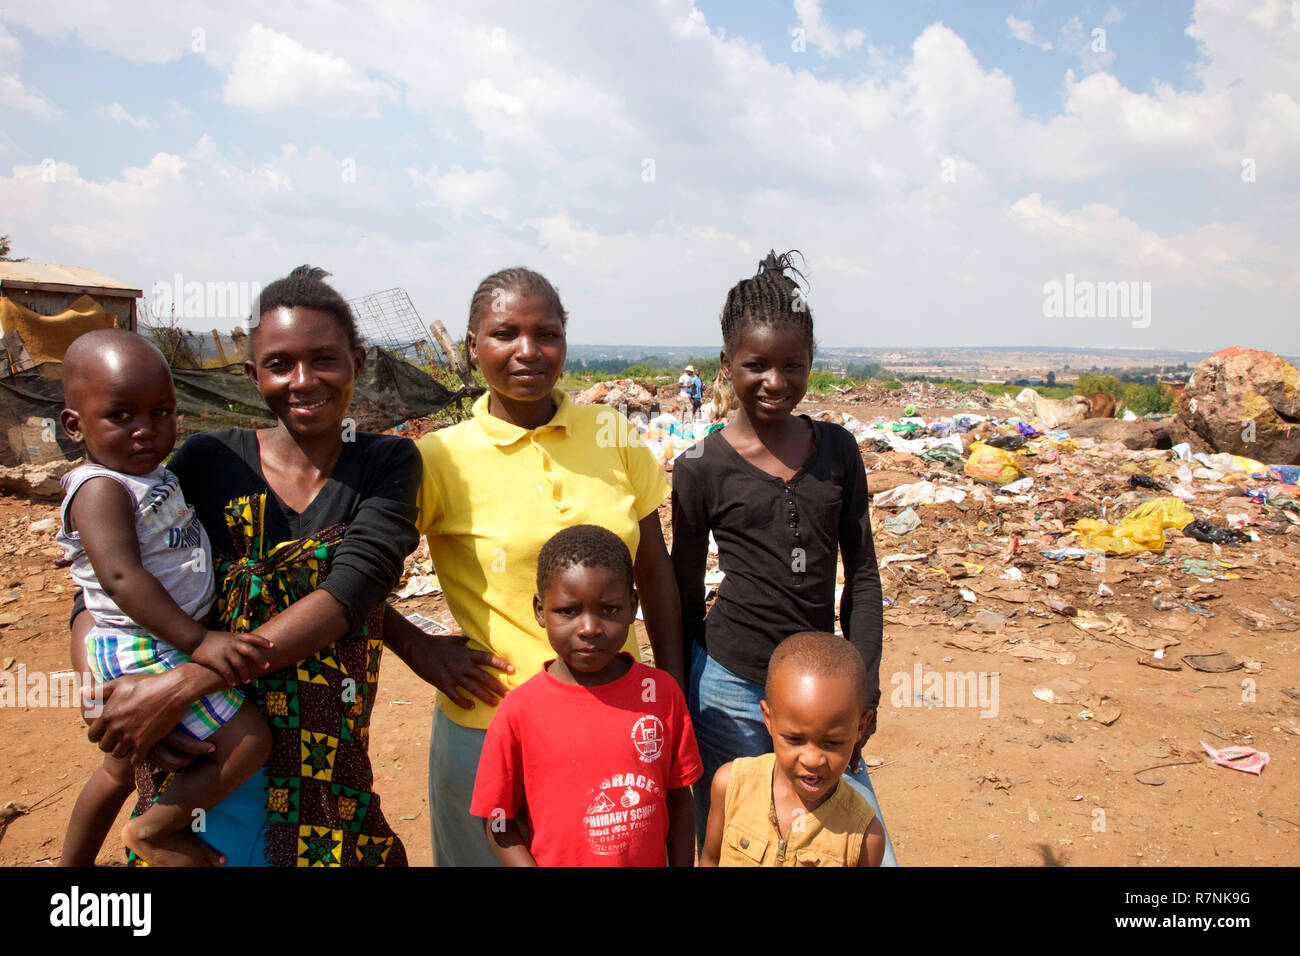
590	762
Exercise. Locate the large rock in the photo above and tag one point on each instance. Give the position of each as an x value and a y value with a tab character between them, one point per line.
37	481
1143	433
624	394
1244	402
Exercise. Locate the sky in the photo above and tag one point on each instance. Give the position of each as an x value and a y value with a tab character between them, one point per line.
953	173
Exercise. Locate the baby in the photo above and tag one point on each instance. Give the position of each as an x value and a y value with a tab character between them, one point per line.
142	561
789	808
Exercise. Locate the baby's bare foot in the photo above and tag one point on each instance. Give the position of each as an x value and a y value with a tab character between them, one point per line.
181	848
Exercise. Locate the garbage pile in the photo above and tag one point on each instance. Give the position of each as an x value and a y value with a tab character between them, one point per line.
920	394
1042	543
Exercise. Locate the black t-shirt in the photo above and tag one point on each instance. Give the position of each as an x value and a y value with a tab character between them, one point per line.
372	489
777	545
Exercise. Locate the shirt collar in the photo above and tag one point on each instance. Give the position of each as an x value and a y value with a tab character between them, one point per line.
503	433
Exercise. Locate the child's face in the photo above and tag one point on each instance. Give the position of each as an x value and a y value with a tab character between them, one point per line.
519	346
769	371
126	416
586	612
815	722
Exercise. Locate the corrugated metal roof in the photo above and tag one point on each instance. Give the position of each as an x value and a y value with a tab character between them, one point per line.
22	275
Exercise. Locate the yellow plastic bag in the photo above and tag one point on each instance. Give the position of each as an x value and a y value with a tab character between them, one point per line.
993	464
1141	530
1173	513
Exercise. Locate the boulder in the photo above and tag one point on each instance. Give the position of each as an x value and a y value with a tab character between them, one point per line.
1143	433
37	481
624	394
1243	402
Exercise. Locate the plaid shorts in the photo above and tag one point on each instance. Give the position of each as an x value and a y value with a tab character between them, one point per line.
114	652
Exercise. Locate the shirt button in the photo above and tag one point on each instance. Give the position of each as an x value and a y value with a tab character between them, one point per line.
744	843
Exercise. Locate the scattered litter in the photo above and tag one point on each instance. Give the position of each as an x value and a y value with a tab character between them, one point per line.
1220	663
428	625
904	523
420	585
1245	759
1202	530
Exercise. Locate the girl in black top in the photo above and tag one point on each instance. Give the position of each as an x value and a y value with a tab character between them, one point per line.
784	497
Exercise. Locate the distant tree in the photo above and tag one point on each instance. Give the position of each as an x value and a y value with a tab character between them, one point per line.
1051	379
4	251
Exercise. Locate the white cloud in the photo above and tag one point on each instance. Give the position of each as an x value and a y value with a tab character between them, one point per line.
828	41
1090	46
482	190
1023	30
915	184
273	71
118	114
14	94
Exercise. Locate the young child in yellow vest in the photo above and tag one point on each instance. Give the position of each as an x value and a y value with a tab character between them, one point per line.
788	808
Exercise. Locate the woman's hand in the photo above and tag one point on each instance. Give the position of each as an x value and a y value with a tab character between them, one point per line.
138	711
448	664
178	750
445	662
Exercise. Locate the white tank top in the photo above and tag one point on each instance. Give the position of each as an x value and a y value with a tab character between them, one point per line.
173	545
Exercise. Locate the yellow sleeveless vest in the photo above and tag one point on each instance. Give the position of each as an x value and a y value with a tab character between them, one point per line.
831	835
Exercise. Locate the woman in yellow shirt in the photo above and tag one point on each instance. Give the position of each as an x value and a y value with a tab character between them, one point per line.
496	487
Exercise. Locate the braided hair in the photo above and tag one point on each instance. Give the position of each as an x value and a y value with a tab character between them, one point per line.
583	546
305	288
522	282
769	298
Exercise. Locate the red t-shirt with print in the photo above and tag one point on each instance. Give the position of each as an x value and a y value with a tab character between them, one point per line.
591	766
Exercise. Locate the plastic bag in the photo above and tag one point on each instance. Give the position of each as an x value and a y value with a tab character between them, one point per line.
1172	512
1214	534
1141	530
904	523
1007	442
993	464
1256	469
1130	536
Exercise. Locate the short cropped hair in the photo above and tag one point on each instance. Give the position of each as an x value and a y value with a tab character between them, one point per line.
585	546
816	652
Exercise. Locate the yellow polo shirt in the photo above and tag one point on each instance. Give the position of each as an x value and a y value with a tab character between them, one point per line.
493	493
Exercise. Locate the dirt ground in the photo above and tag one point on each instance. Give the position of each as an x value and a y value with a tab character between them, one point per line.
1033	784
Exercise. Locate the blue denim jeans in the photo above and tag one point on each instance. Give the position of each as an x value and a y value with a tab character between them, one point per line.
729	724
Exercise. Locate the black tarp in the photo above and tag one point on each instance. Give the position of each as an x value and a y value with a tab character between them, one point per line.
389	391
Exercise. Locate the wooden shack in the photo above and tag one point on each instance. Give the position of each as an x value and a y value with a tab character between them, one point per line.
49	290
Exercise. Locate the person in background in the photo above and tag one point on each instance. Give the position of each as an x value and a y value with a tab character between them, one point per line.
685	389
